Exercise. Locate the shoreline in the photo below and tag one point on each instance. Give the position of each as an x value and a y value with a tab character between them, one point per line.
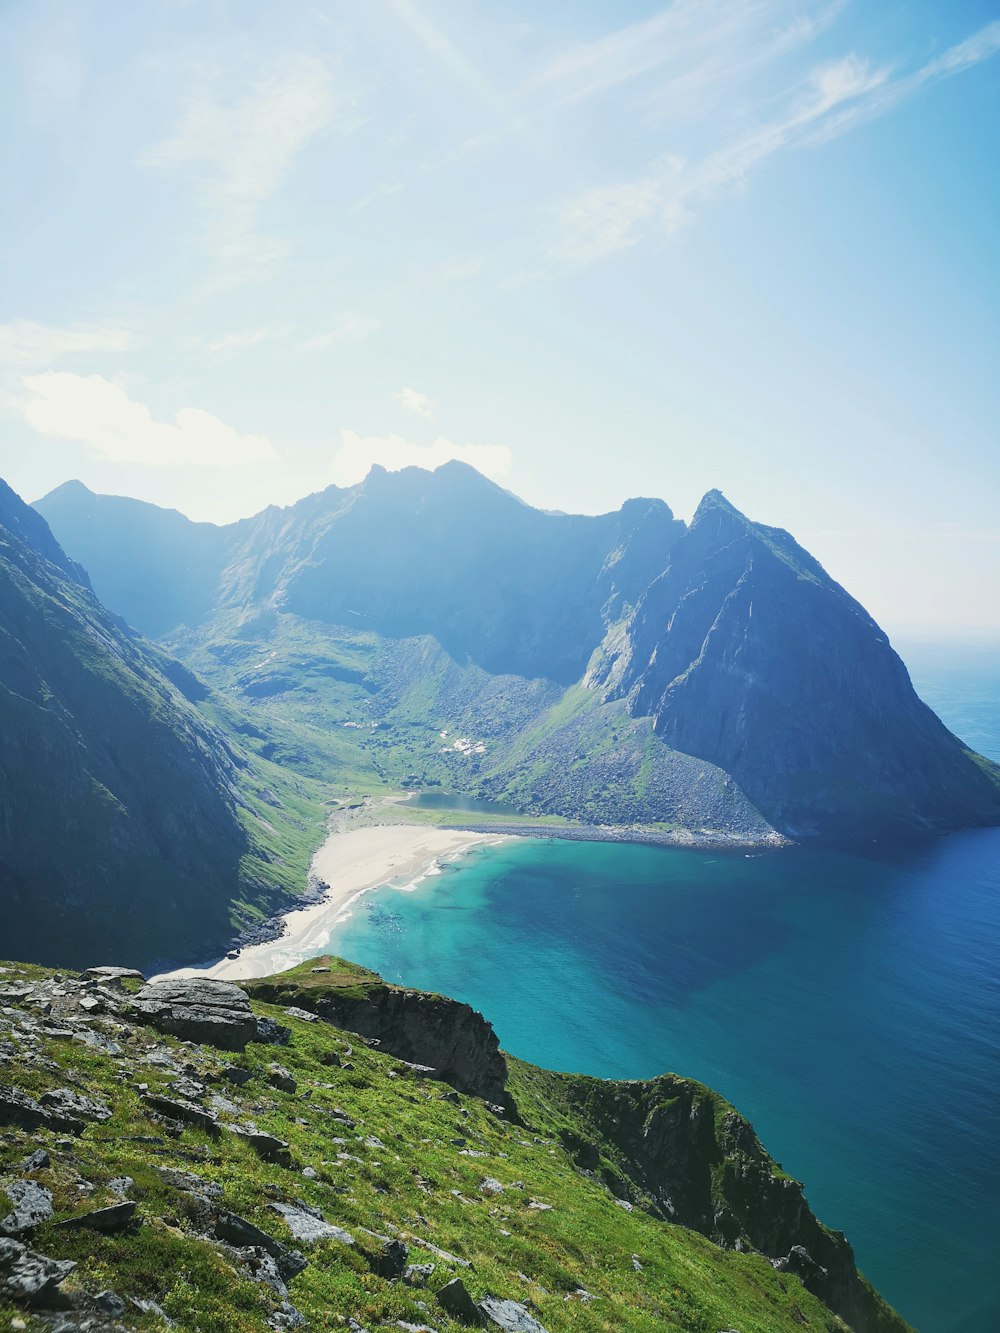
682	838
351	862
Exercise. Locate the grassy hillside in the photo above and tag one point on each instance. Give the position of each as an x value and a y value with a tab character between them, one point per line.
536	1207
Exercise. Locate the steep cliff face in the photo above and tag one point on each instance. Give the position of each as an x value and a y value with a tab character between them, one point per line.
747	654
431	1030
668	1146
677	1148
119	826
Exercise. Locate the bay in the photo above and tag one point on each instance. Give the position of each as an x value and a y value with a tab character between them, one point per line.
846	1001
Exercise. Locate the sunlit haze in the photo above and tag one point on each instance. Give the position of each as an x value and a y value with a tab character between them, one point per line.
596	250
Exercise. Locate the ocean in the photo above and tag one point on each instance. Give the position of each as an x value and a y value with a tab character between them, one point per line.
847	1002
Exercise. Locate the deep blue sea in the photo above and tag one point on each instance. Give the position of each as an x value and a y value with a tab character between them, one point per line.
847	1003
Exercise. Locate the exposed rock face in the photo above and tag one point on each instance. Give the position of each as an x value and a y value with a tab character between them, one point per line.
711	1173
32	1206
31	1279
747	654
511	1316
450	1038
199	1009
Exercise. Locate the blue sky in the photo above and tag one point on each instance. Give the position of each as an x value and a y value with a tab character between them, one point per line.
596	249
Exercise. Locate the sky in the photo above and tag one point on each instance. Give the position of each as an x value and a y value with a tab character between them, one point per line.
597	249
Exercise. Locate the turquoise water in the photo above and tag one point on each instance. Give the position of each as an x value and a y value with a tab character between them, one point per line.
848	1003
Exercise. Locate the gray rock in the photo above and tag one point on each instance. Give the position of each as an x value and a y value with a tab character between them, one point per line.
198	1009
309	1228
511	1316
22	1111
390	1261
32	1206
271	1033
454	1297
279	1077
266	1146
189	1183
242	1234
175	1108
112	975
418	1275
122	1186
67	1103
116	1217
236	1075
110	1303
293	1011
28	1278
37	1161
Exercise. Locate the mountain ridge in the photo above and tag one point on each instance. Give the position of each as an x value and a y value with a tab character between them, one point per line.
806	710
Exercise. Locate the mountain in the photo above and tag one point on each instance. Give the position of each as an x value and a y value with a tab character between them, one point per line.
746	653
127	820
709	681
182	1155
448	554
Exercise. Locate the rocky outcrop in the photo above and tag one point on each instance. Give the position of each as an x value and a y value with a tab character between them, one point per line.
682	1153
32	1279
449	1038
198	1009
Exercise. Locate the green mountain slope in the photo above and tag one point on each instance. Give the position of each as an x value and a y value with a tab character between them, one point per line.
331	1182
621	669
127	821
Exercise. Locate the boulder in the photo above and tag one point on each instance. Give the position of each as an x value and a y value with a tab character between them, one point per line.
73	1105
267	1147
510	1316
454	1297
27	1278
279	1077
309	1228
198	1009
390	1261
32	1206
22	1111
177	1108
237	1231
116	1217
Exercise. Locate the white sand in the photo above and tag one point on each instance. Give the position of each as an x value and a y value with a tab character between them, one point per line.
352	863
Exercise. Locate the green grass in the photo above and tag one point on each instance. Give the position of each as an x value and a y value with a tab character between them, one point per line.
399	1172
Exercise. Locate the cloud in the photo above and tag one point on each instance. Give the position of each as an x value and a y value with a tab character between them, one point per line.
26	344
99	414
240	153
358	453
347	329
237	341
833	98
414	401
690	45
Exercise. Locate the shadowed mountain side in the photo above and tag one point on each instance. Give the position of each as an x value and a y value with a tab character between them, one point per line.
447	553
747	654
121	818
152	566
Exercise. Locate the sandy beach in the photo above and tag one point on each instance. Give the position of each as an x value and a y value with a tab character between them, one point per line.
352	862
